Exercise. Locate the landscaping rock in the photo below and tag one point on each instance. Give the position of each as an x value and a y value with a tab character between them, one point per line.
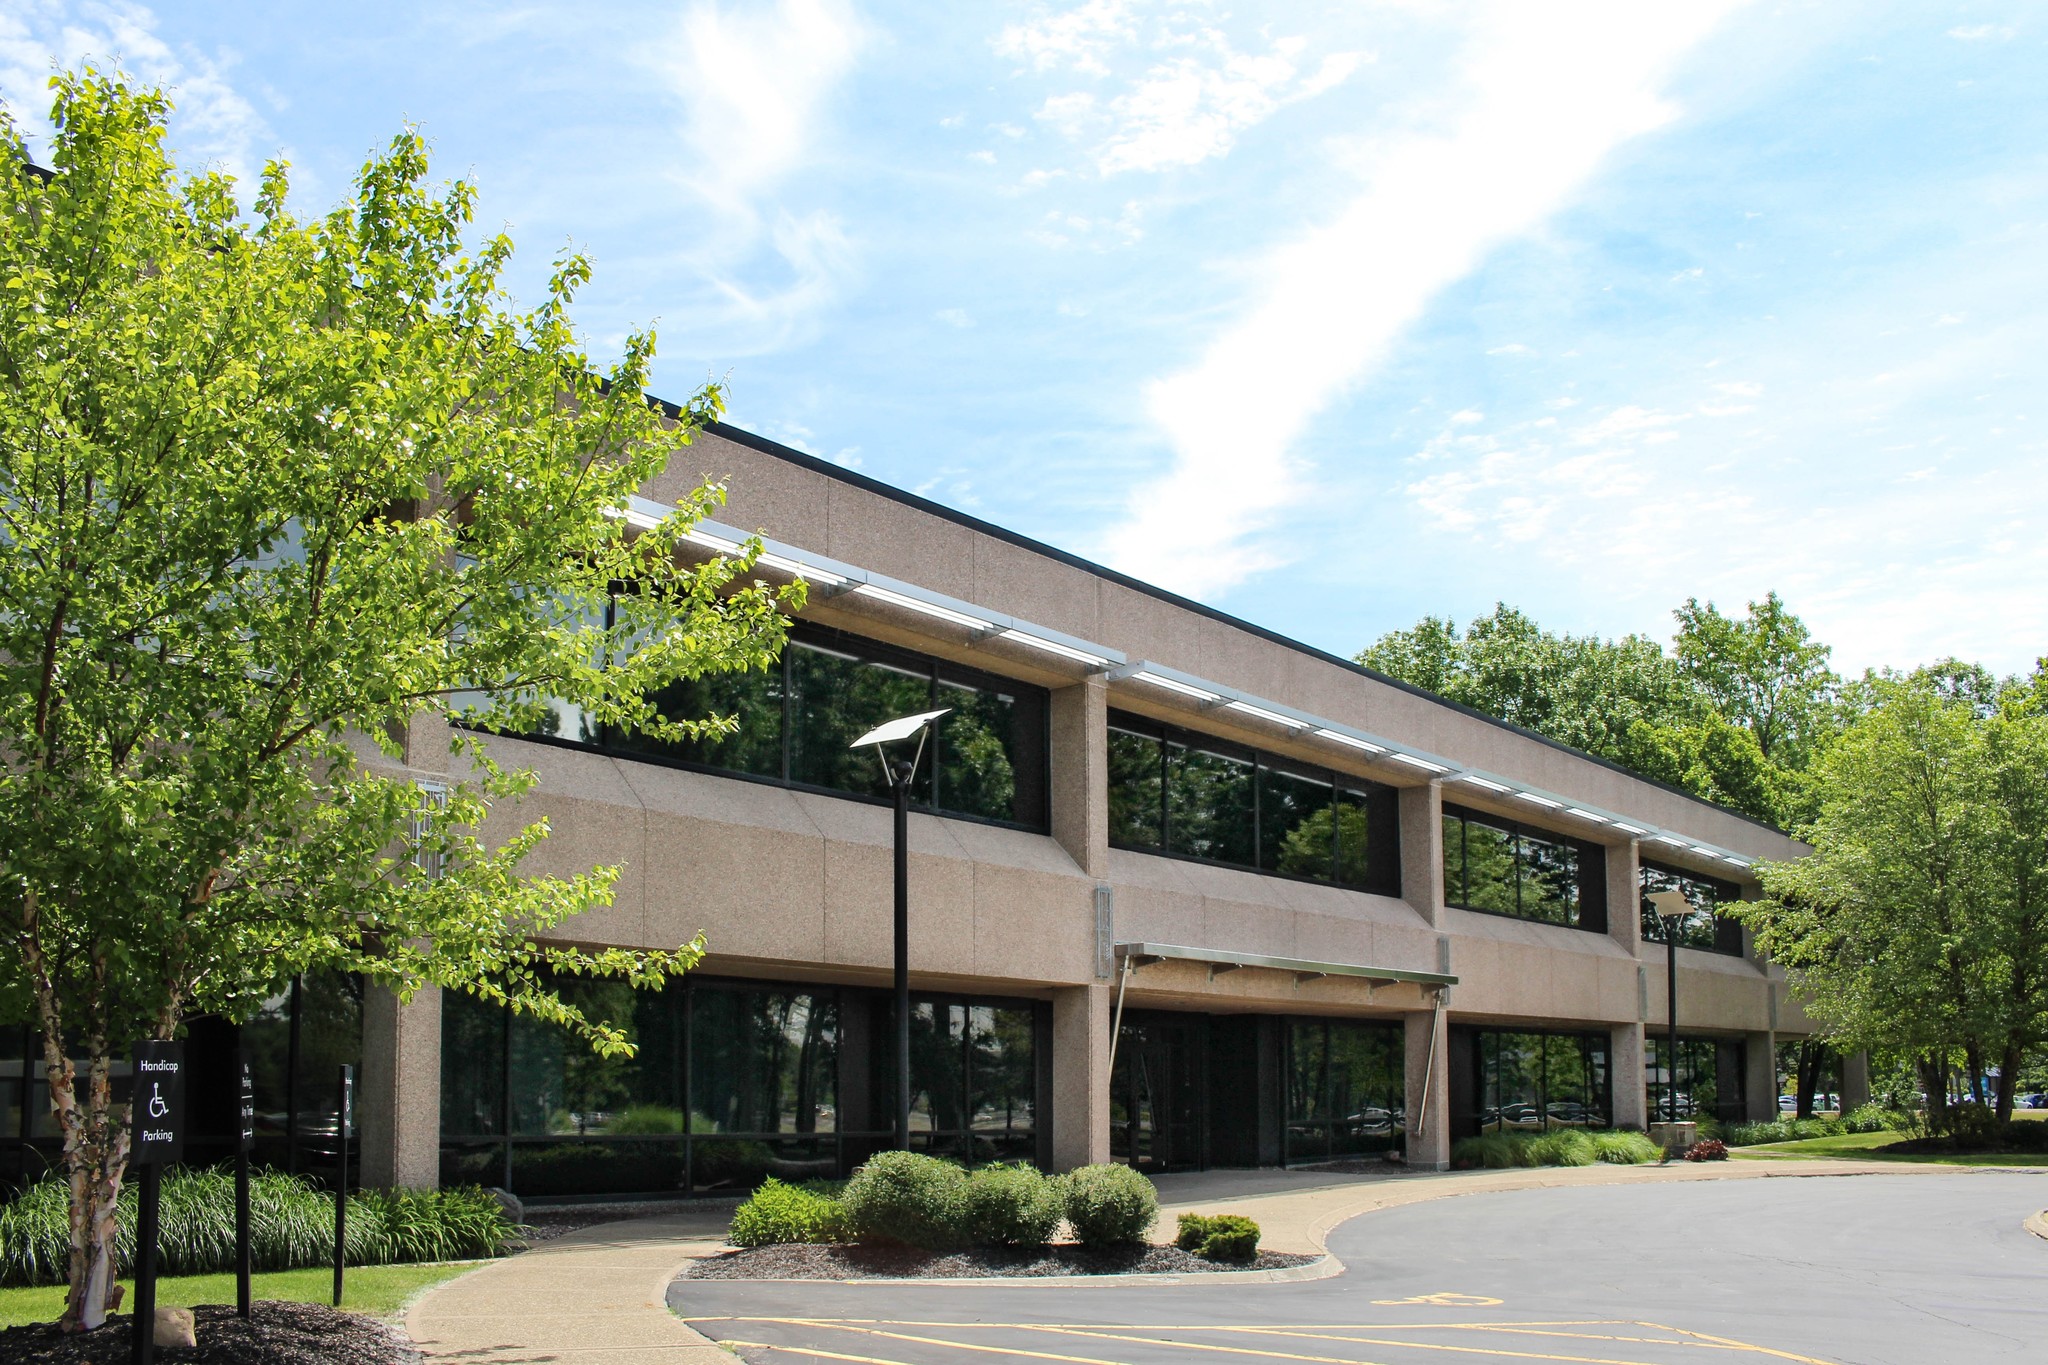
176	1327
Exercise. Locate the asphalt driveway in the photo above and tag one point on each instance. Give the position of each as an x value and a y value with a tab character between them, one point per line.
1872	1270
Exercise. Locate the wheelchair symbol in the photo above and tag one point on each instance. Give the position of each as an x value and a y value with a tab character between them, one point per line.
157	1107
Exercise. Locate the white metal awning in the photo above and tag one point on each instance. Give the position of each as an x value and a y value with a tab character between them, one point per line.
1137	955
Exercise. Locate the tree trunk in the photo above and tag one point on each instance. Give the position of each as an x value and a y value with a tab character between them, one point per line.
95	1157
1934	1085
1809	1077
2008	1078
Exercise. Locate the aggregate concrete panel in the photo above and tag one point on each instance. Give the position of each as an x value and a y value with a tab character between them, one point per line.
1144	627
584	835
875	533
1031	926
1032	586
753	891
763	494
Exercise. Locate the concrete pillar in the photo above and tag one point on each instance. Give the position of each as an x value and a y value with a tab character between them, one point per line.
1080	1075
1080	774
1625	1076
1428	1068
1624	896
1760	1076
398	1104
1855	1080
1422	849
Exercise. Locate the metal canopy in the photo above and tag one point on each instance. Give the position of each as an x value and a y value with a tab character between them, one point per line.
1139	954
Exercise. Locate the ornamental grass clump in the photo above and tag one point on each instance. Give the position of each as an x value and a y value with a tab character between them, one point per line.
1218	1237
779	1213
907	1197
291	1226
1559	1147
1010	1206
1109	1205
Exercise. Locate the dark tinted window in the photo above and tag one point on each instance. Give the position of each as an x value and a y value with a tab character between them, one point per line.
1703	928
1507	868
1344	1088
792	723
1174	791
1531	1081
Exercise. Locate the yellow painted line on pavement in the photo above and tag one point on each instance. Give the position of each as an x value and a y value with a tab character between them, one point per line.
841	1326
1481	1350
1207	1346
816	1354
1727	1341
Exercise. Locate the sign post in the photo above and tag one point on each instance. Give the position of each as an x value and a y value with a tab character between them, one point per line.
245	1138
157	1119
344	1120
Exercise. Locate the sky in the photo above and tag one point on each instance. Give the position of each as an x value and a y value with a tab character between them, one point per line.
1330	315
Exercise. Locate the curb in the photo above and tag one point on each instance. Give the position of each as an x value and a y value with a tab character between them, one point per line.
2038	1224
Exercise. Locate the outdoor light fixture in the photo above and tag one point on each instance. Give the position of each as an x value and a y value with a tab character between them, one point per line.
1533	799
1079	656
712	542
1585	815
1671	907
1339	737
1484	784
1177	686
900	774
1629	829
933	609
1667	839
1412	761
1262	713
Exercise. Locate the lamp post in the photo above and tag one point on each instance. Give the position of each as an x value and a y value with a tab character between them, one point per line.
1671	907
899	774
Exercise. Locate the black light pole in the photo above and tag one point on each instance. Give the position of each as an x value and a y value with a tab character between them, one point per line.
1672	907
899	775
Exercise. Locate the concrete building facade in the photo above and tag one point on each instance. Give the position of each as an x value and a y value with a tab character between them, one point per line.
1266	1016
1182	893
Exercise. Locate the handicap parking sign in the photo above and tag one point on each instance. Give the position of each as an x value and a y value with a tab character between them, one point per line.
158	1122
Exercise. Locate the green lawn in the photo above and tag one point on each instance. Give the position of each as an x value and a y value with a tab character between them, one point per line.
1861	1146
377	1289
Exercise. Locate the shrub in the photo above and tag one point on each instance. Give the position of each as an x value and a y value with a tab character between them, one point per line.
1873	1118
1221	1237
1010	1206
777	1213
906	1197
1625	1147
291	1225
1708	1149
1778	1130
1109	1205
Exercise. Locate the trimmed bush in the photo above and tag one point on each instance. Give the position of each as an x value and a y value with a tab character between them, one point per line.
291	1225
777	1213
906	1197
1109	1205
1218	1237
1874	1118
1778	1130
1559	1147
1010	1206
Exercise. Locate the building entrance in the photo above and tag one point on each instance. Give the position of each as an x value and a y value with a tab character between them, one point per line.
1158	1092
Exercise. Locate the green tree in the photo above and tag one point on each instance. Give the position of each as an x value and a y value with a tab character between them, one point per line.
274	497
1919	924
1763	673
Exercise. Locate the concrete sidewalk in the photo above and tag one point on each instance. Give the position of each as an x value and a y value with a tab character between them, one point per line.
599	1297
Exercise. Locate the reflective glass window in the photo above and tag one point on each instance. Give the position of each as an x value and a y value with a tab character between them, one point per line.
834	697
752	700
1549	877
1506	868
1344	1088
1209	803
1175	791
1490	873
762	1061
1137	776
1703	928
472	1066
1530	1081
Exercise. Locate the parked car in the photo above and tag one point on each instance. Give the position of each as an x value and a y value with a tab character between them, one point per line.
1788	1104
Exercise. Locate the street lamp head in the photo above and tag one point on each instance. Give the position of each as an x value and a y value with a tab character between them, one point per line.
902	728
1671	905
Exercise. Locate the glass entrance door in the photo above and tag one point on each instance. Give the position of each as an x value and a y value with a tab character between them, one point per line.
1156	1093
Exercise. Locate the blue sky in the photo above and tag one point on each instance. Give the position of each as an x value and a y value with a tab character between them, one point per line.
1331	315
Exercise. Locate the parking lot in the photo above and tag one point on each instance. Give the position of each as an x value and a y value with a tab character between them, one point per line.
1876	1270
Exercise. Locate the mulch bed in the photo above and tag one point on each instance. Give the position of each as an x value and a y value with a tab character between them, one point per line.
275	1334
810	1262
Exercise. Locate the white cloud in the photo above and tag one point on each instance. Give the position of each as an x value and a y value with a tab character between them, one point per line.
954	317
1977	33
212	125
753	83
1512	348
1543	94
1741	389
1181	110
